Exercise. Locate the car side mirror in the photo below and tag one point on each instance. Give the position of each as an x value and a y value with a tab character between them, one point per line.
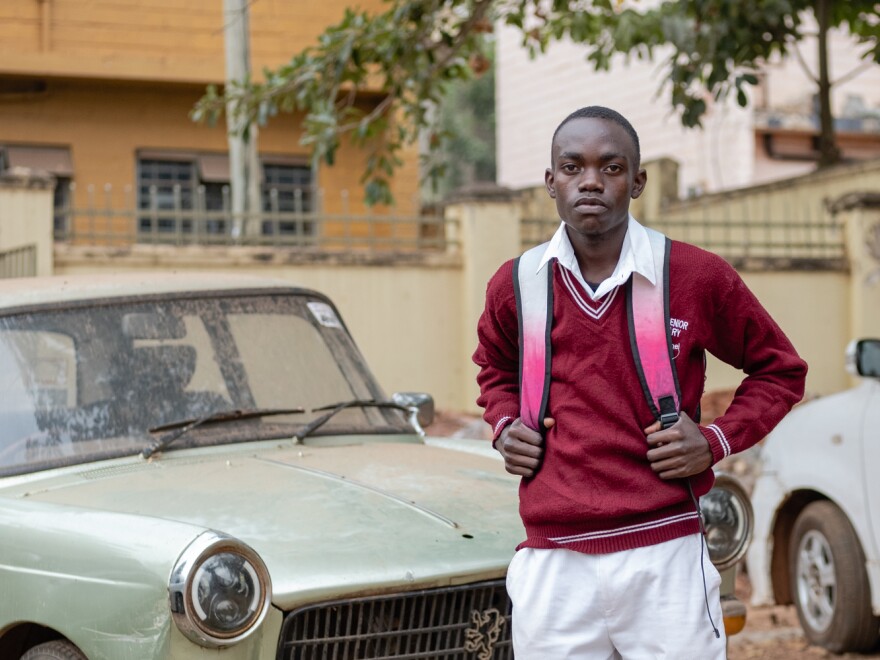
423	403
867	358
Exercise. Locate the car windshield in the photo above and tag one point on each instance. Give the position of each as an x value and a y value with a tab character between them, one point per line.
89	380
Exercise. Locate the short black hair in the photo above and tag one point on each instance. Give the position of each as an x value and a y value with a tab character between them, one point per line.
601	112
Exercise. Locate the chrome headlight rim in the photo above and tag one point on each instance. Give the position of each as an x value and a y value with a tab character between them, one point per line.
727	482
184	610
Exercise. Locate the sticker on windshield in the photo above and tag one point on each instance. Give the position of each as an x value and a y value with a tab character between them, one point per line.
325	314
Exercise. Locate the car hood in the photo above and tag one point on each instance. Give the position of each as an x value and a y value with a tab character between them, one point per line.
328	521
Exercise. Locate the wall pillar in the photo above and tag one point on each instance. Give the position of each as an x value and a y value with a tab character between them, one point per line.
859	214
488	219
660	191
26	222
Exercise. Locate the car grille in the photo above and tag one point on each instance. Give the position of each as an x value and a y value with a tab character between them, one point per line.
468	622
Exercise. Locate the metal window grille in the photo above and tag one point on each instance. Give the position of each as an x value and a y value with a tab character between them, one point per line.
453	623
165	187
287	189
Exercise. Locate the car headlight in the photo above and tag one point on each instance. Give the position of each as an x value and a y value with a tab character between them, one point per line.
727	516
219	590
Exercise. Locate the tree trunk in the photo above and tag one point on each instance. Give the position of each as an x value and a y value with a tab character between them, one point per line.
829	154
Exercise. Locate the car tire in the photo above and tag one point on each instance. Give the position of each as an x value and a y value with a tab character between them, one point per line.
55	650
829	581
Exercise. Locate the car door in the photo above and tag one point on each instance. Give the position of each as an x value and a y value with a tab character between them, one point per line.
870	439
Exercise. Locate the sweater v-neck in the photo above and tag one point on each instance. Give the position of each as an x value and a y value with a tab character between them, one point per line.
593	309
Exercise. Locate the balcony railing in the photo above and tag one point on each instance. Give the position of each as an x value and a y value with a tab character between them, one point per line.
185	219
815	243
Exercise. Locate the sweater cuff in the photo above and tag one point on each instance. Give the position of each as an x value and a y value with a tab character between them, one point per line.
500	424
718	442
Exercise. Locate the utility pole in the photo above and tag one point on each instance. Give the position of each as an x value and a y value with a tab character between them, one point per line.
244	166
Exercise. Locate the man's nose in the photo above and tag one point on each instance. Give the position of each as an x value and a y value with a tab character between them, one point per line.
590	180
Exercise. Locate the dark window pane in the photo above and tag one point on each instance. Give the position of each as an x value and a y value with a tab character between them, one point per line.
166	186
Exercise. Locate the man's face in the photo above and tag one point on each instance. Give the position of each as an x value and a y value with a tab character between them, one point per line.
593	175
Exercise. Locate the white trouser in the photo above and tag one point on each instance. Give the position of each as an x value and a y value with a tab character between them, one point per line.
635	604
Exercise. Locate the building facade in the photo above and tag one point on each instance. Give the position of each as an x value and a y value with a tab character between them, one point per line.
773	138
99	94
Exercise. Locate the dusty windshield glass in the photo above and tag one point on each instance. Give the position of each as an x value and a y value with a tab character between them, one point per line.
88	382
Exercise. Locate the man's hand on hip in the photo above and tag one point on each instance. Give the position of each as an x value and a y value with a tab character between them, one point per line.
522	447
679	451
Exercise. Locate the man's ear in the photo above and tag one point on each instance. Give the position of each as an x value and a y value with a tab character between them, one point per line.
549	182
639	181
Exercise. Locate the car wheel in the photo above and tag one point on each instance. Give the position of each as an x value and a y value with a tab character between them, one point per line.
56	650
831	592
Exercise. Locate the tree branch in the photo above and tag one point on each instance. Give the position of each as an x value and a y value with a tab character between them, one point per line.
800	58
861	68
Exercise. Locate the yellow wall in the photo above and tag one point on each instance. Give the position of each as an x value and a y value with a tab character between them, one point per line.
799	198
415	320
813	309
105	123
124	74
152	39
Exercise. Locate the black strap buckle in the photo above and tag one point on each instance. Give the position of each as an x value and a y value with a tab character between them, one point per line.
668	413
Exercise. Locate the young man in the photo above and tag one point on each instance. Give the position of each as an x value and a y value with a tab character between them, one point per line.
612	566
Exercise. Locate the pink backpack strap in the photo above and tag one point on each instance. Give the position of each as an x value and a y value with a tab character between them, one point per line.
649	333
534	309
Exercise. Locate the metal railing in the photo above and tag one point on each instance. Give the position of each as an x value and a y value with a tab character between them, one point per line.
181	217
19	262
805	243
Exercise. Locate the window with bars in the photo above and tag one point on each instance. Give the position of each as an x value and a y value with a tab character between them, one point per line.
183	195
288	195
165	191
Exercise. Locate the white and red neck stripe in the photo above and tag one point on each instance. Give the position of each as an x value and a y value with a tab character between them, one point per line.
595	310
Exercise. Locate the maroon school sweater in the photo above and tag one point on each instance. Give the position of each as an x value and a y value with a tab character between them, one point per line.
595	491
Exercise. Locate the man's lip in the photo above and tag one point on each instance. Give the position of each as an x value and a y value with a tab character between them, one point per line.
589	202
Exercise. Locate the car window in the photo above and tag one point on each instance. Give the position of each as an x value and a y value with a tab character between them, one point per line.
92	380
291	362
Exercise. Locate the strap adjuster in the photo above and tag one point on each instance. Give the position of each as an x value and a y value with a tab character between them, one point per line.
668	420
668	413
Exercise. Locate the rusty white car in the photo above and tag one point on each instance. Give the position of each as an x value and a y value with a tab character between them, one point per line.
204	467
817	512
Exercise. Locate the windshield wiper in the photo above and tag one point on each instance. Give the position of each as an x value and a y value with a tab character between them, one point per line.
335	408
184	426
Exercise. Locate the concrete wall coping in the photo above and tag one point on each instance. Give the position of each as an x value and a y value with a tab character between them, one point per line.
26	178
481	192
867	199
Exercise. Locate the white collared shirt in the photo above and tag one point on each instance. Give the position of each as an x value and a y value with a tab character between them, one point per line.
635	257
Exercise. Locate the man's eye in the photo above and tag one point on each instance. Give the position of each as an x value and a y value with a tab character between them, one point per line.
614	168
569	168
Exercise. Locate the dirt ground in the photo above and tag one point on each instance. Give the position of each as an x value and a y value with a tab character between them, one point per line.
771	633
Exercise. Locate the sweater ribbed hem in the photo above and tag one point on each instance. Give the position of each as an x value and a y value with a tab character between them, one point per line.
658	527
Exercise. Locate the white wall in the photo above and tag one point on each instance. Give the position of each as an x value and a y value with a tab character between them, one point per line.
789	86
533	96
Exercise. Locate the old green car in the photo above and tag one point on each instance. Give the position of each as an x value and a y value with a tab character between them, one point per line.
199	467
